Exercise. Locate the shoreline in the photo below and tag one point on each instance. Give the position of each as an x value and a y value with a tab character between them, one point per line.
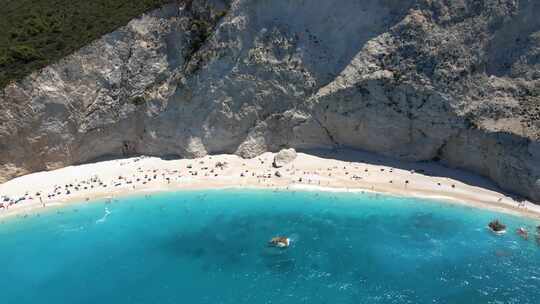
132	176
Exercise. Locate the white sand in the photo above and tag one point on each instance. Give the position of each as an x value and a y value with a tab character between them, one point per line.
308	172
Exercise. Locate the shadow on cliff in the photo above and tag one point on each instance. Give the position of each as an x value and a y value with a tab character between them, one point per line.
331	33
429	168
513	42
124	157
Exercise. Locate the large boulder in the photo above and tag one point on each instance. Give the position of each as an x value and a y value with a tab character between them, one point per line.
284	157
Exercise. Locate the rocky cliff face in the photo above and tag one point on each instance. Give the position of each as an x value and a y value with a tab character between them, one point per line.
456	81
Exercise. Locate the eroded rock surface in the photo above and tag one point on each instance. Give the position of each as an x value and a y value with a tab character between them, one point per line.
455	81
284	157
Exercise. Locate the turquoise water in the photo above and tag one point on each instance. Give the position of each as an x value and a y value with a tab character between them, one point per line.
210	247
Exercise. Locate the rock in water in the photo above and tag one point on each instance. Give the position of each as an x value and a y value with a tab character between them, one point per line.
279	241
284	157
497	227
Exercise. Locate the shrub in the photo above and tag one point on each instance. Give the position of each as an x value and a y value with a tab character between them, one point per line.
24	53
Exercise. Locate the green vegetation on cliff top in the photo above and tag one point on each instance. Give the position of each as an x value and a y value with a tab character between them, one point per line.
35	33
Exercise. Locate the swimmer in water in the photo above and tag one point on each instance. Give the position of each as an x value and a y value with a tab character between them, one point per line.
523	233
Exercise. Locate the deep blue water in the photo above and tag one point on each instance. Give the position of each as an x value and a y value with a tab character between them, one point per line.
210	247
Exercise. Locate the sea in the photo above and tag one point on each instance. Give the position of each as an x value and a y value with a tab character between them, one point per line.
212	246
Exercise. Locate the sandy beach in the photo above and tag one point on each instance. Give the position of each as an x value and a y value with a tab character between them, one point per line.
329	171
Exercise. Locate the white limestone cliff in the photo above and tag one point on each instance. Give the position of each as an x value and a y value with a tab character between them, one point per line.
412	79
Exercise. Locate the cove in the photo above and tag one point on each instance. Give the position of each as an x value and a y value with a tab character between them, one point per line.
211	247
